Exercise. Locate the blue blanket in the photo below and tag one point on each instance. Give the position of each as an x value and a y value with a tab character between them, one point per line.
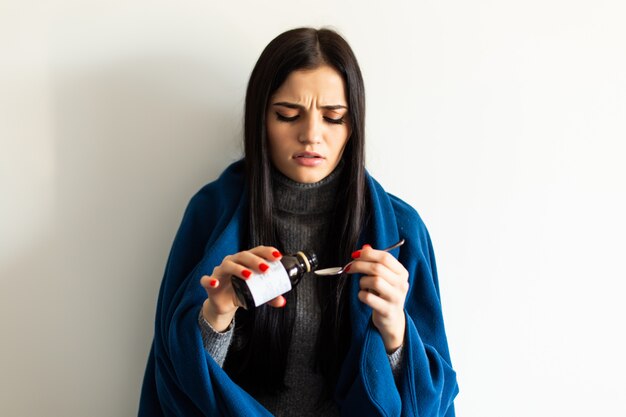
181	379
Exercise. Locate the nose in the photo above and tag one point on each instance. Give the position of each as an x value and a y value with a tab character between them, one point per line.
311	131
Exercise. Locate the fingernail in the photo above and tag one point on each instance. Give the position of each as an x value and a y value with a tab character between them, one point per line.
284	302
347	268
276	254
246	274
367	245
264	267
356	254
214	283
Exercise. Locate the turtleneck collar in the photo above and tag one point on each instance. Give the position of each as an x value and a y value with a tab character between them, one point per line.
305	198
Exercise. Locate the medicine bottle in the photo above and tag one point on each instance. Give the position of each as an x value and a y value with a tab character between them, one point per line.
280	278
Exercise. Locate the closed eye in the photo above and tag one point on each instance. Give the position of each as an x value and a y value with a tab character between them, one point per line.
339	121
285	118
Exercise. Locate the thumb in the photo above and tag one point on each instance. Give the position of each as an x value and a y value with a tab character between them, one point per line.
278	302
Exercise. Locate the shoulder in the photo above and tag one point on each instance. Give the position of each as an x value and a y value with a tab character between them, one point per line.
406	215
215	203
411	225
408	221
224	191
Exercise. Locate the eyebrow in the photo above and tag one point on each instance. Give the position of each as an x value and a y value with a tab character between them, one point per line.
298	106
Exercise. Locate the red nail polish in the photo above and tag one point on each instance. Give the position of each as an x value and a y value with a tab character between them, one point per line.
264	267
356	254
246	274
347	268
213	283
276	254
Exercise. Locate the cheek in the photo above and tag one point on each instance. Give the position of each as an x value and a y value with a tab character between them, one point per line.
341	143
276	131
276	147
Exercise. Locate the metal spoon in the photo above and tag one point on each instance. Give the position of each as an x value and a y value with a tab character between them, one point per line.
338	270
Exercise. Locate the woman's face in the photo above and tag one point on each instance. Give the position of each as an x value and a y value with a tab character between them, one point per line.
307	124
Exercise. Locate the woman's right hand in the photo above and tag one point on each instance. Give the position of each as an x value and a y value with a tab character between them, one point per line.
221	304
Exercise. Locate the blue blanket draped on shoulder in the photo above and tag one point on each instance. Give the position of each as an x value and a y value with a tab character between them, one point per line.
181	379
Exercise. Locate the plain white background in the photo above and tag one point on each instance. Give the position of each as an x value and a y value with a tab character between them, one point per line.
501	122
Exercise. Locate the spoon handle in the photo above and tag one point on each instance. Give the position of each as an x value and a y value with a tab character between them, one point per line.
339	270
395	245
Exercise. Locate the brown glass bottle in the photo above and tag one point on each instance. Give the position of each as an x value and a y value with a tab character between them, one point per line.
282	276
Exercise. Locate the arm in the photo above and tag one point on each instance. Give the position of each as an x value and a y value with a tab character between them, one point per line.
383	285
216	343
181	378
383	288
426	384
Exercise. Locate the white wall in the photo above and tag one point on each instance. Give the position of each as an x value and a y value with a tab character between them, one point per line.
502	122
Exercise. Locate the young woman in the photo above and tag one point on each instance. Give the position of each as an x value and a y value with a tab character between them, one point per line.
368	342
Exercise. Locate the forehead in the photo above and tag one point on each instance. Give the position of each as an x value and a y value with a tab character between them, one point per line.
324	84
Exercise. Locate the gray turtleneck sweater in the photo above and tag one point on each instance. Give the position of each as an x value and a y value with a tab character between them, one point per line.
302	217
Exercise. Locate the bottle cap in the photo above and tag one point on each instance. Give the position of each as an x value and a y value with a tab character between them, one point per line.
309	259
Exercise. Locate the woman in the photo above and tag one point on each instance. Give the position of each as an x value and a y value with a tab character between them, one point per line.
370	342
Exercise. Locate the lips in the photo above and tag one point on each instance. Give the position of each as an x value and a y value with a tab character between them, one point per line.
308	159
308	155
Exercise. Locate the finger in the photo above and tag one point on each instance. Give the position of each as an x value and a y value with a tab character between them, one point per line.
230	268
244	263
248	260
377	304
279	302
269	253
379	256
382	288
376	269
209	283
221	298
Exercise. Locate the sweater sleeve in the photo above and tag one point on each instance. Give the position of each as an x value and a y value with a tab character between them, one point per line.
216	343
395	360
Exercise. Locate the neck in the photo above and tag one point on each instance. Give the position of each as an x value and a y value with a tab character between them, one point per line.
305	198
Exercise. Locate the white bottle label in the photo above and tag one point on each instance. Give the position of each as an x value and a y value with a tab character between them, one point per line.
270	284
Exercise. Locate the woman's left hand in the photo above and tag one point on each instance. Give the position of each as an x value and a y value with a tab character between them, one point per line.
384	285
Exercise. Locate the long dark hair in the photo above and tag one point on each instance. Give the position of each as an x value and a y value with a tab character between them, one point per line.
261	367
